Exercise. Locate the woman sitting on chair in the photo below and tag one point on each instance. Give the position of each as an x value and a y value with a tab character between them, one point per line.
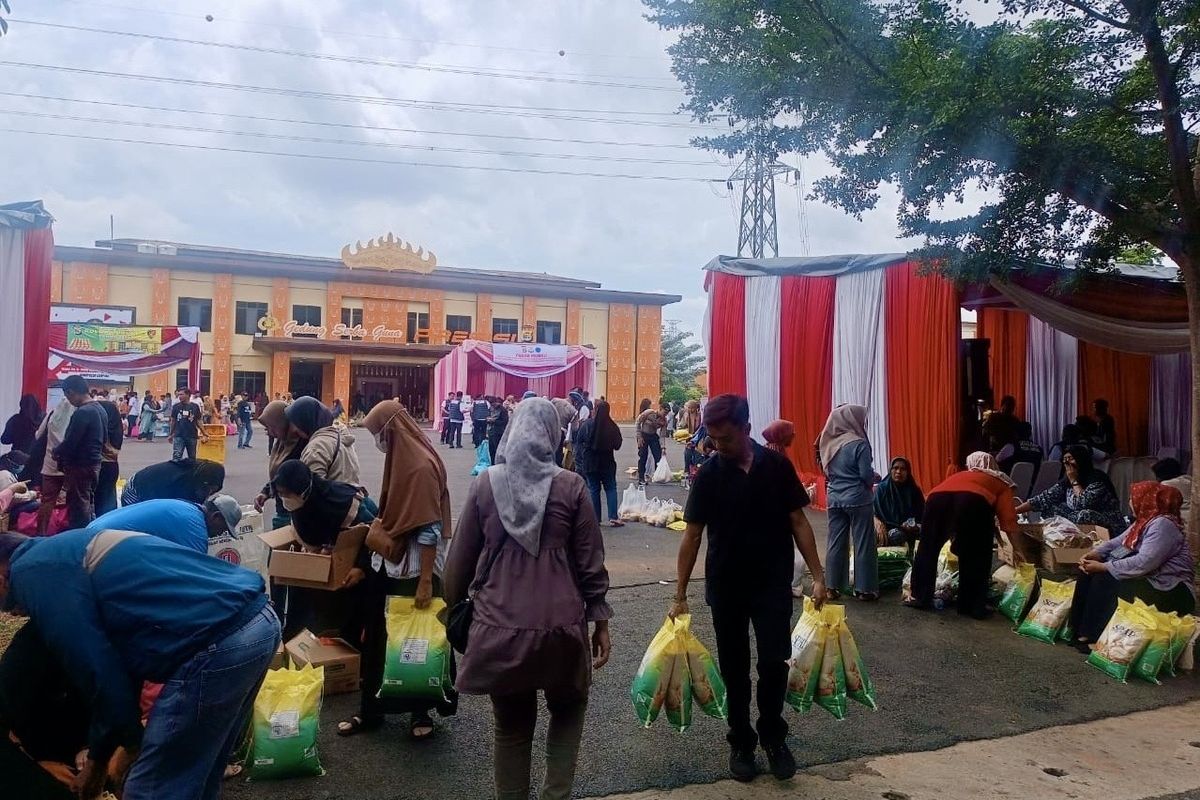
1085	495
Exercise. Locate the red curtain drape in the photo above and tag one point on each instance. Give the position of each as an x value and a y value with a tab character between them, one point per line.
922	371
39	249
1123	379
1009	334
806	363
727	361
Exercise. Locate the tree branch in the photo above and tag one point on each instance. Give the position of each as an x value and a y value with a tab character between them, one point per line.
843	39
1079	5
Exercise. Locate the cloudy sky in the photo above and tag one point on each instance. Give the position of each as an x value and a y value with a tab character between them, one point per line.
497	87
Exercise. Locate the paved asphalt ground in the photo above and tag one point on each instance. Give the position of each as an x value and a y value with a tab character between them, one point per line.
940	680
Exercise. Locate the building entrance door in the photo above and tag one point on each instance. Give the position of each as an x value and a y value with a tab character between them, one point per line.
305	379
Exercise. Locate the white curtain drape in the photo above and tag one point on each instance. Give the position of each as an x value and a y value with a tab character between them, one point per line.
762	351
12	312
859	367
1051	381
1171	404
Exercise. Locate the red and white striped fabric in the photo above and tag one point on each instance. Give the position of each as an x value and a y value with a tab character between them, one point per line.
26	249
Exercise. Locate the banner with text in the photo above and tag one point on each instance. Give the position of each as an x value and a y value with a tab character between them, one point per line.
530	355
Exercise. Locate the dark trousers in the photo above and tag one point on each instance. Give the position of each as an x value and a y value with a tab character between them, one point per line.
478	432
445	430
771	616
969	521
516	719
647	444
1096	596
79	482
606	478
454	433
106	487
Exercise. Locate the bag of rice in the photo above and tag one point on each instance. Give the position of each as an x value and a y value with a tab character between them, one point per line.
808	648
1126	635
1016	596
416	663
708	687
831	683
1183	642
1158	650
1050	612
858	682
286	712
662	678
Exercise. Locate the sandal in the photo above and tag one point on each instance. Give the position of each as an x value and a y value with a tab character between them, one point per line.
615	523
866	597
231	771
356	725
832	595
422	723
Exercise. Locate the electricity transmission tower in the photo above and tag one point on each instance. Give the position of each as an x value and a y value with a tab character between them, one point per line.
758	234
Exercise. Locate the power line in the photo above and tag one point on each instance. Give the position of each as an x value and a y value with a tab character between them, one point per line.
534	112
451	69
349	125
357	160
355	142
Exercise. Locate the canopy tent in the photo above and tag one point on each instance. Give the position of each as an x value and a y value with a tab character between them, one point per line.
798	336
103	352
26	248
482	368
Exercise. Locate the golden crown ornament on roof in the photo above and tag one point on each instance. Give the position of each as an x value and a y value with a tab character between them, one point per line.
388	253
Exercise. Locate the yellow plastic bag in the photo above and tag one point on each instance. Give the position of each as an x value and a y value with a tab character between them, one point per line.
1183	636
677	525
831	683
804	667
858	683
286	713
1016	596
416	663
663	679
708	687
1049	614
1125	637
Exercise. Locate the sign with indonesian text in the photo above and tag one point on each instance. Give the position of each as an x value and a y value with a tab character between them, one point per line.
530	355
85	337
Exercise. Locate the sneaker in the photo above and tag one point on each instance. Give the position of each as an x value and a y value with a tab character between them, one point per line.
780	760
741	764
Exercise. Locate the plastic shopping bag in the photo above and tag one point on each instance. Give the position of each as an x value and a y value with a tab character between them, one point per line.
416	663
662	679
286	712
662	472
858	683
1016	596
708	687
831	683
1183	642
804	667
483	459
1049	614
1125	637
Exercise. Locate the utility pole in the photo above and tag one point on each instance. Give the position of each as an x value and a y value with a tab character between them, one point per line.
758	234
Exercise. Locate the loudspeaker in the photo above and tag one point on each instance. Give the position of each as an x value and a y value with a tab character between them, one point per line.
973	361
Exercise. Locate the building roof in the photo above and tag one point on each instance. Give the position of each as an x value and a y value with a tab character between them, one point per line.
206	258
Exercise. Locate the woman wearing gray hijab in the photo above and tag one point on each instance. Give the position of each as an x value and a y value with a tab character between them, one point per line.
529	551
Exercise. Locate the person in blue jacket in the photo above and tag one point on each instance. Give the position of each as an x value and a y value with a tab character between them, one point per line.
121	608
186	524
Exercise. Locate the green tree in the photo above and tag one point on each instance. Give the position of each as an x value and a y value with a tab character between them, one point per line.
682	359
1074	120
3	22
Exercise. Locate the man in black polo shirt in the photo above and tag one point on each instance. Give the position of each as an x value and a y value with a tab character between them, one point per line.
752	504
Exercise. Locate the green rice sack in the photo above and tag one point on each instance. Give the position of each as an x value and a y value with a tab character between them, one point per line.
804	667
287	710
831	682
1124	638
858	682
708	687
1016	596
416	663
662	678
1157	654
1049	614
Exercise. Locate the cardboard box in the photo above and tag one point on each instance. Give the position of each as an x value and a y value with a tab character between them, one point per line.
1066	559
1026	542
341	661
290	566
280	660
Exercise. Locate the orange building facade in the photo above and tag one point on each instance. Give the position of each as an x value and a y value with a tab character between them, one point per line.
366	326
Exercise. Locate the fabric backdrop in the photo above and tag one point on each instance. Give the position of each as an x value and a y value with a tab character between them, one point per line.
1008	354
859	358
12	311
806	363
1123	379
727	360
1052	381
1171	405
762	352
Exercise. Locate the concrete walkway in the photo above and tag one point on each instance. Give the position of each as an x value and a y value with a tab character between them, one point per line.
1149	754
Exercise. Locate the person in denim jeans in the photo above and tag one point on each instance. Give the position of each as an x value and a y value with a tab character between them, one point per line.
245	421
123	608
846	457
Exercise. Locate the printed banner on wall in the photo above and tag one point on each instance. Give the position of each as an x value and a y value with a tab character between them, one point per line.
114	352
530	355
88	338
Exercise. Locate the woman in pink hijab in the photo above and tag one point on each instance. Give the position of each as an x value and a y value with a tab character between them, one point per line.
779	435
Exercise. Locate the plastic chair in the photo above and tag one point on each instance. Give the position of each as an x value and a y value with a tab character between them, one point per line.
1047	476
1022	475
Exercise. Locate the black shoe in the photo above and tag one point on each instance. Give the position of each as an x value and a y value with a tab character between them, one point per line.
741	764
781	761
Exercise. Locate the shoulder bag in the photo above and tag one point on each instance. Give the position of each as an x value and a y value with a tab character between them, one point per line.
458	621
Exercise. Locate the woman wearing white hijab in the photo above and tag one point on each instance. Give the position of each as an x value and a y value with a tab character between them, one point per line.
528	550
846	458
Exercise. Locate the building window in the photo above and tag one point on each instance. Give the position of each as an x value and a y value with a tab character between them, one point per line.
181	381
195	312
549	332
458	328
306	315
246	317
418	327
249	384
352	318
505	330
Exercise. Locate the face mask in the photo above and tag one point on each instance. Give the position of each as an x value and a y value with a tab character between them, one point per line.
381	444
292	503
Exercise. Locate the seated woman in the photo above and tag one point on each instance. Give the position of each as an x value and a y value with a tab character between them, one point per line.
1150	561
965	508
1085	495
190	479
898	505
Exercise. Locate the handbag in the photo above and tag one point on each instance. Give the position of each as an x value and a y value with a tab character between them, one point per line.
458	620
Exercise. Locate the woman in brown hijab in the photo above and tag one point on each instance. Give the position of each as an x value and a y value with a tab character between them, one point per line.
285	446
406	548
